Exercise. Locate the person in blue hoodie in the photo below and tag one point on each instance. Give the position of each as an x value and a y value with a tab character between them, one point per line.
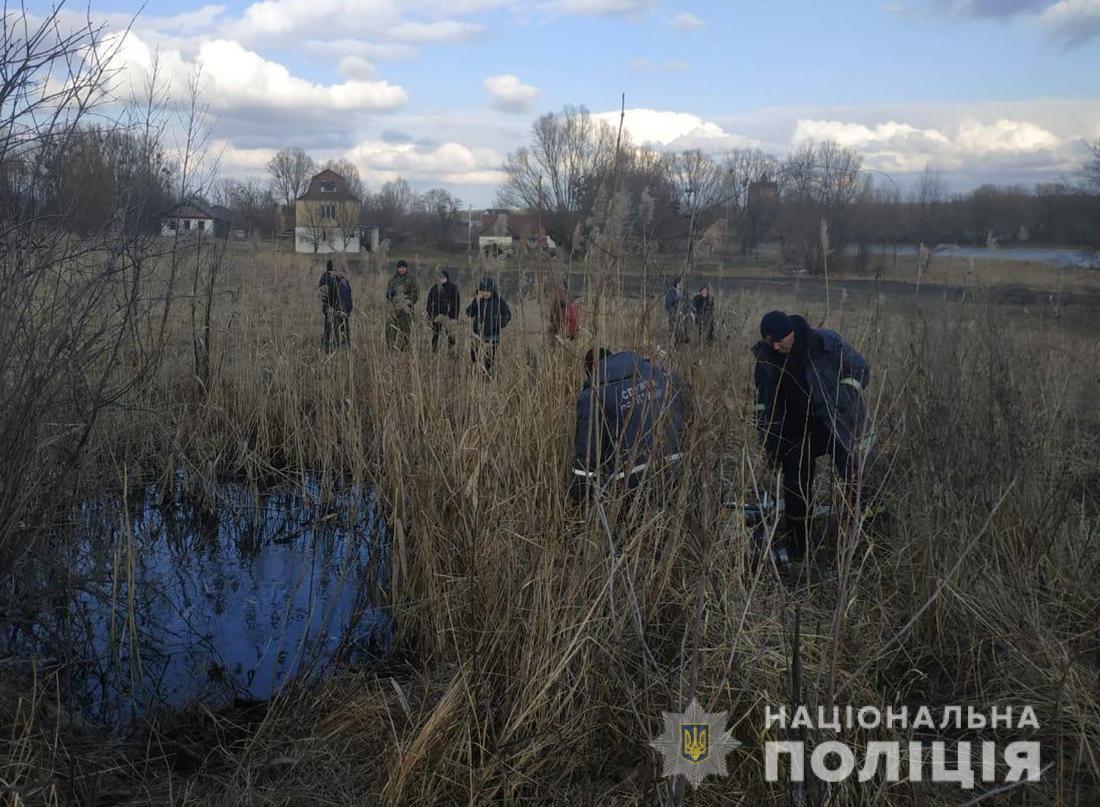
630	418
491	315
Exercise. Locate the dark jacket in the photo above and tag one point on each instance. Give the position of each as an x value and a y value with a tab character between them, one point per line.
490	316
703	307
835	374
672	300
443	301
330	293
628	412
343	296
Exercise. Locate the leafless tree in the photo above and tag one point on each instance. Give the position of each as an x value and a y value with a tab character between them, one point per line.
442	208
291	170
570	157
348	170
79	330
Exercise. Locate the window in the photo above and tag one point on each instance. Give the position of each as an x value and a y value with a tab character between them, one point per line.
172	224
328	211
202	224
328	186
187	224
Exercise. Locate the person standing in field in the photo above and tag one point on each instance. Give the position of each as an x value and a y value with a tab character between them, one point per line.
809	403
491	315
342	314
401	294
674	307
702	307
443	308
328	287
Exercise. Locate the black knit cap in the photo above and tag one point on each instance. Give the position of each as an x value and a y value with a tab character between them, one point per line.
401	263
775	325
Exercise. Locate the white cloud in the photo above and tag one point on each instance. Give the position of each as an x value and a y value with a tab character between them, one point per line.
378	51
448	163
904	148
685	21
509	94
674	130
438	31
600	7
644	65
234	77
356	68
1072	22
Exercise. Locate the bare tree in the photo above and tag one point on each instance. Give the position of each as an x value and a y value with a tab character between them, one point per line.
348	170
442	209
1092	168
78	329
393	203
570	157
291	170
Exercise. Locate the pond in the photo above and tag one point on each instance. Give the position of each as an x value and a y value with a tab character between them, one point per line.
172	602
1060	256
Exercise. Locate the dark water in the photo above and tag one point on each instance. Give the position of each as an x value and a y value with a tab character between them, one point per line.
174	603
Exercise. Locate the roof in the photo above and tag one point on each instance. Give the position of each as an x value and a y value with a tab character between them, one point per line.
314	192
189	210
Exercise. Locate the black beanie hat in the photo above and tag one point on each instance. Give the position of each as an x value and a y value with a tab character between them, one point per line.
402	263
775	325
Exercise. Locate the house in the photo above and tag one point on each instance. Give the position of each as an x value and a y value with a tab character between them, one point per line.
191	218
505	231
326	216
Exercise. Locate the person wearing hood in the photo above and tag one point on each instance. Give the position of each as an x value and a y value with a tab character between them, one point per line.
631	415
401	294
329	290
702	308
675	306
443	308
490	314
809	403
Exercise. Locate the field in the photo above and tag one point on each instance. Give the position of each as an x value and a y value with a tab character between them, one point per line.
538	642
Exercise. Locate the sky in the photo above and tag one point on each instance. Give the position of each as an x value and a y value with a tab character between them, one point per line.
439	91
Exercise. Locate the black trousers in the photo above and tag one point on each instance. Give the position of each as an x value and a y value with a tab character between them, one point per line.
437	331
797	460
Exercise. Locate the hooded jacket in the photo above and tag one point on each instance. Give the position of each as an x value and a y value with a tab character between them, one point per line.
490	316
835	374
343	296
443	300
628	412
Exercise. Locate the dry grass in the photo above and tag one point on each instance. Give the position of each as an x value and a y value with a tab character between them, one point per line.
531	664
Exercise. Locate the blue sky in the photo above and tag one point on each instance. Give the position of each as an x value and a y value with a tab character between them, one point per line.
438	91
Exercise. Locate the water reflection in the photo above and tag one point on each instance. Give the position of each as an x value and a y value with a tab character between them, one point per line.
233	600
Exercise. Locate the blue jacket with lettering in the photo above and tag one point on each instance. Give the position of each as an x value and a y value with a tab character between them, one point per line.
629	412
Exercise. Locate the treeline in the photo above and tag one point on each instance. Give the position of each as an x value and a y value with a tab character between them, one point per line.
92	179
593	186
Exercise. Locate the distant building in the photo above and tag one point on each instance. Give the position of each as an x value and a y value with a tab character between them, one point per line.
326	216
505	231
191	218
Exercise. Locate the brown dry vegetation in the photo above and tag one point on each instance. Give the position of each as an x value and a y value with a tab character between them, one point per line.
531	666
